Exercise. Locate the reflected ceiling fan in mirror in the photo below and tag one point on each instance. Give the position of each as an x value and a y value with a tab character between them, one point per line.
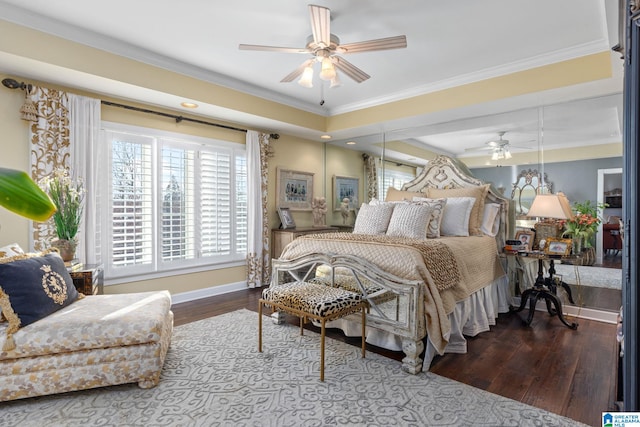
325	49
500	148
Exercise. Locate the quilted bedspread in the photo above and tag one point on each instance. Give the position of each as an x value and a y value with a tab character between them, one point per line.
475	260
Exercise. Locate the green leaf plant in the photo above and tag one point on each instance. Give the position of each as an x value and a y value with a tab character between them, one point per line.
21	195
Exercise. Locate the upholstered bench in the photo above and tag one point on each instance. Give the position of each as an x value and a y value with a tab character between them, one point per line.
312	300
96	341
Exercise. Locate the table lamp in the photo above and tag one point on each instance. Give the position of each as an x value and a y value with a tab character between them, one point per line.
554	206
551	206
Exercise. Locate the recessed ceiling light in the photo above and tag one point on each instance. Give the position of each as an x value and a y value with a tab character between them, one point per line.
189	104
325	137
351	143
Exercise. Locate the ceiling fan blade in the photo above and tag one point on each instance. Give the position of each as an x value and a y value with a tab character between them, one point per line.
397	42
480	149
349	69
297	72
273	48
320	25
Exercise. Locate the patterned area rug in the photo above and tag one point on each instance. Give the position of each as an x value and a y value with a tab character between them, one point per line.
591	276
214	376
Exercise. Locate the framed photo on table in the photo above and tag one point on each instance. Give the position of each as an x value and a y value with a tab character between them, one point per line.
294	190
345	187
557	246
285	218
526	237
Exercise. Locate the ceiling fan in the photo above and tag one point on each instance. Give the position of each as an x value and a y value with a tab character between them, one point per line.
501	147
325	48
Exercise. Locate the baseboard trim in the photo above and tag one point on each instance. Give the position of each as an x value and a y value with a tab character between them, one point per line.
580	312
207	292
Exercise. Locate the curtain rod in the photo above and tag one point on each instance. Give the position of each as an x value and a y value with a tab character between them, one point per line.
14	84
399	163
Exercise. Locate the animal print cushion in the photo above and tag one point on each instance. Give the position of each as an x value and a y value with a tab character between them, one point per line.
314	298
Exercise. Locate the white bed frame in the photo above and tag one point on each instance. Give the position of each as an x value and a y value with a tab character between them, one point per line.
445	172
406	323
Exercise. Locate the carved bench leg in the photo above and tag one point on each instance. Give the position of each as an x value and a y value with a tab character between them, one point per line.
412	363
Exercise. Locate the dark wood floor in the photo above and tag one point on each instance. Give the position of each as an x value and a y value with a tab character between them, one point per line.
547	365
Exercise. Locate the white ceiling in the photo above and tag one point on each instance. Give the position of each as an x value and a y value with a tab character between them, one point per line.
449	43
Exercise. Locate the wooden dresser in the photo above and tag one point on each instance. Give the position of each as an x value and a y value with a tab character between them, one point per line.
281	237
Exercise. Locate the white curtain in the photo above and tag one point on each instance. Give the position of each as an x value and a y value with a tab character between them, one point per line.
258	257
65	135
84	134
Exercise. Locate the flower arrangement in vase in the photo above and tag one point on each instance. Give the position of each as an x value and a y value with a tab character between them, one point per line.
67	196
583	227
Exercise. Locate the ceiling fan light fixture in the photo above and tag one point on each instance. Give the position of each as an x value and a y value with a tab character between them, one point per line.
328	72
507	153
335	81
495	156
306	80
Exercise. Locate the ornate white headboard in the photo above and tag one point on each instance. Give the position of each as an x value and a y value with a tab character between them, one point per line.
445	172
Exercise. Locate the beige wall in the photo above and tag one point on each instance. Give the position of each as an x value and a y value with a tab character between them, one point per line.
324	161
290	153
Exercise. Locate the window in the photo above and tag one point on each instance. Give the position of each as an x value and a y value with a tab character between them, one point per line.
393	178
174	201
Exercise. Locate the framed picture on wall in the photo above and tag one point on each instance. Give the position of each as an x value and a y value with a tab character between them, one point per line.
345	190
294	189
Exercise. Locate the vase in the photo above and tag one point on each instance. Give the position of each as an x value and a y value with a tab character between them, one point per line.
576	244
67	248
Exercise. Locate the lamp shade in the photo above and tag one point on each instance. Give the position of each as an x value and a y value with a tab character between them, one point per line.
306	80
327	72
551	206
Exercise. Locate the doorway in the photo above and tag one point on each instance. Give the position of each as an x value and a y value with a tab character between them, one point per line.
608	181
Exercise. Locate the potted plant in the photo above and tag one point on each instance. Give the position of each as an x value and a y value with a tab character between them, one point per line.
68	197
584	226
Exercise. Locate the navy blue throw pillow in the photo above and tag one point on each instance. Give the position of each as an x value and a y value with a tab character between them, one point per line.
32	287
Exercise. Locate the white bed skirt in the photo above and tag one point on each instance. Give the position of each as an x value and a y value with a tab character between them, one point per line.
470	317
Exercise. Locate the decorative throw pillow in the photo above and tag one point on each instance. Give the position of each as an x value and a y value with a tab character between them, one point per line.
394	195
491	220
457	211
437	211
409	220
373	219
480	193
32	286
11	250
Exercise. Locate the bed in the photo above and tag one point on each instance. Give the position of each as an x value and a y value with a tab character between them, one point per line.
463	285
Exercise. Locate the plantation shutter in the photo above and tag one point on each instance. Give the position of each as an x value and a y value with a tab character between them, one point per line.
242	209
215	203
392	178
178	204
131	213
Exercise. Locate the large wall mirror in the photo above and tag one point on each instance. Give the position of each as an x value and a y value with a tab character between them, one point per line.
529	183
525	175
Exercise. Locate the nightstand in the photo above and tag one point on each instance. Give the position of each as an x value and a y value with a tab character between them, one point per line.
546	287
89	279
281	237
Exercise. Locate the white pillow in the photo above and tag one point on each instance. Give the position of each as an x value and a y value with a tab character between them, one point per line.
455	221
409	220
437	212
491	220
11	250
373	219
